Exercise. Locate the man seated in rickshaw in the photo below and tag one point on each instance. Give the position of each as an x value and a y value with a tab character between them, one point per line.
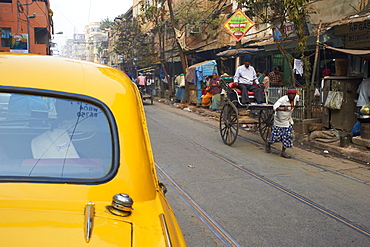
245	79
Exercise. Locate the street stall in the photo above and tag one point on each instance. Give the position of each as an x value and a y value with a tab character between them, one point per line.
196	78
342	117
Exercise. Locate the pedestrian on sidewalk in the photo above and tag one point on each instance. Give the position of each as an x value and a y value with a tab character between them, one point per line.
266	79
180	86
282	131
216	92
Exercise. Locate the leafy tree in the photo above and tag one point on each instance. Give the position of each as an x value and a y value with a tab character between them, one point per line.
130	40
106	24
155	15
206	17
277	13
203	16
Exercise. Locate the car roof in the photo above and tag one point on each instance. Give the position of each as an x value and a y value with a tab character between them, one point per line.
62	74
101	82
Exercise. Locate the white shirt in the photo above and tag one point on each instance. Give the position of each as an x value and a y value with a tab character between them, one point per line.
298	67
364	93
284	118
244	75
180	81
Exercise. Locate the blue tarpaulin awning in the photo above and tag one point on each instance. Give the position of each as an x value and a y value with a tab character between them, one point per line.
198	72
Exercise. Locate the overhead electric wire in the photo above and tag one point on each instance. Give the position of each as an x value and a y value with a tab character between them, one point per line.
88	16
64	16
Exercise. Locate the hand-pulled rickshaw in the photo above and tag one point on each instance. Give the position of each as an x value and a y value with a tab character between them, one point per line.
146	92
231	117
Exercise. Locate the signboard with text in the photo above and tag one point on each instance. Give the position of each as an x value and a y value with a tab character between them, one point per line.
238	25
357	34
289	31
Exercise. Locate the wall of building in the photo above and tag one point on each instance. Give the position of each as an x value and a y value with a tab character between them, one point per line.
332	10
32	18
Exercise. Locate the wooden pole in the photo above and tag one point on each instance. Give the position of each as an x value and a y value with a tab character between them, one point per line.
181	52
184	62
238	44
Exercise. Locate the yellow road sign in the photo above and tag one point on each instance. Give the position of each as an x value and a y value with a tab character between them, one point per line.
238	24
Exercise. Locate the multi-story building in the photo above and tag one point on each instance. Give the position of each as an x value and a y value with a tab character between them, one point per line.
96	43
75	48
67	48
26	26
90	46
113	59
79	46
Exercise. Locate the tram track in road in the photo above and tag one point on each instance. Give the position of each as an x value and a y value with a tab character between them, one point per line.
216	228
273	184
260	144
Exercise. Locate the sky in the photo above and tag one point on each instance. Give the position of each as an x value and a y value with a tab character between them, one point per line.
71	16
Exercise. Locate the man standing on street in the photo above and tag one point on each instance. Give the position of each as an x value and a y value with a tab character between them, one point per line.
244	78
275	77
180	84
141	80
282	131
128	74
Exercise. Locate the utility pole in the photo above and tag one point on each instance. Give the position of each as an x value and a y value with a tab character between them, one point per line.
29	31
238	44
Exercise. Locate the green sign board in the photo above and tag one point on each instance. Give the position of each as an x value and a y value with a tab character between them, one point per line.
238	25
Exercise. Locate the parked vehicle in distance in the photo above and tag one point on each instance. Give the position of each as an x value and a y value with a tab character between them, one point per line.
76	164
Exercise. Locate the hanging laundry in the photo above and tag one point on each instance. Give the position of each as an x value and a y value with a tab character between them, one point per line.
298	67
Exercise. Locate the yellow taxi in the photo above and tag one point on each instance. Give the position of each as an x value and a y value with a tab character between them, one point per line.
76	164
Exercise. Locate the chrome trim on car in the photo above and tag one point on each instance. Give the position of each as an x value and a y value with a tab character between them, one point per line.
89	220
165	230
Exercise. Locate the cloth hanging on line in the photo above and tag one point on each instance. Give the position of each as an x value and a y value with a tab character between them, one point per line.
298	67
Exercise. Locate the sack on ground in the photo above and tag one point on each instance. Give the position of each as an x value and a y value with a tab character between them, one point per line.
334	100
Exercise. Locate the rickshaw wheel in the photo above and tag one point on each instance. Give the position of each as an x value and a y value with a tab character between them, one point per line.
265	123
229	123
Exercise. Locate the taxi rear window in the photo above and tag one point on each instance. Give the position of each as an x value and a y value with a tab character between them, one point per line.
53	138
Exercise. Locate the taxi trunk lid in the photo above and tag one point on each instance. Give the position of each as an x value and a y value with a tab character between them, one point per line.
35	227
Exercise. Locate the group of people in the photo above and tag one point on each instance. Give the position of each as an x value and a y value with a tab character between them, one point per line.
246	80
141	80
212	93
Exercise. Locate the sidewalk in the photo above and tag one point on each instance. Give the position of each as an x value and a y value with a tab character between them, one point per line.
358	150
